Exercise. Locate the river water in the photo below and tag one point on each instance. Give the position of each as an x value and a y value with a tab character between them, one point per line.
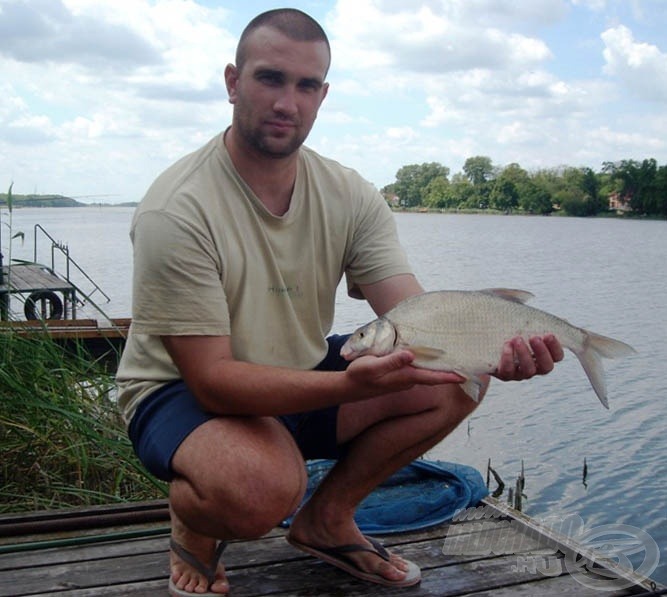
608	275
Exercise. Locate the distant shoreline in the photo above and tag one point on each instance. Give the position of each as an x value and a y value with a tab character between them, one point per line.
19	201
516	212
24	201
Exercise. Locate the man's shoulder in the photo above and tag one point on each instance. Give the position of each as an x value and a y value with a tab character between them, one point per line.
324	164
179	175
339	183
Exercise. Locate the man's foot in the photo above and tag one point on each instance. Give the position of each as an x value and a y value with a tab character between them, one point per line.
341	557
195	563
347	548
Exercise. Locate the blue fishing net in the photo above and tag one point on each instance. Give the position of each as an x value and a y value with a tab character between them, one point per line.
423	494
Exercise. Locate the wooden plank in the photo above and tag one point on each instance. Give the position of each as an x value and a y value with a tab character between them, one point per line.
63	329
312	577
30	278
549	587
41	580
94	512
149	588
564	544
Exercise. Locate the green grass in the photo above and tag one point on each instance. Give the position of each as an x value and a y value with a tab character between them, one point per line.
62	440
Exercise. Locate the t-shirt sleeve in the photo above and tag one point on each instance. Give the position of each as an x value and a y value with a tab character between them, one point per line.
177	274
376	252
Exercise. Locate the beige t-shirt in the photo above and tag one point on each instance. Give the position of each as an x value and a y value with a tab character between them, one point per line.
210	259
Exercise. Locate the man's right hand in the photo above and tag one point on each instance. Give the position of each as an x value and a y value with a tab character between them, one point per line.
394	372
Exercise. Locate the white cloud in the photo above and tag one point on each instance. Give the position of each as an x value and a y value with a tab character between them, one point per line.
46	30
112	90
432	37
641	67
598	5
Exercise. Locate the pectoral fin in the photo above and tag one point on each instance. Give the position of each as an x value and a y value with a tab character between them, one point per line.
472	386
426	352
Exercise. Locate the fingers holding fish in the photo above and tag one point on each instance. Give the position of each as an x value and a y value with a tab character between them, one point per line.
516	361
547	351
394	372
520	360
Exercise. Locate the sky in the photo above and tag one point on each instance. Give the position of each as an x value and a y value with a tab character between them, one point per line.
97	97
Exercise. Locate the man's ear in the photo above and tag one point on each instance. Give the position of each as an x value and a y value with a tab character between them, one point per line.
325	90
231	80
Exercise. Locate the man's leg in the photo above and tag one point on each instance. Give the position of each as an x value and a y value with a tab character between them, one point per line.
224	472
230	477
383	435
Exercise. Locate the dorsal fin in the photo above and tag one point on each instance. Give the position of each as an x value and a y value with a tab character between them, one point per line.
510	294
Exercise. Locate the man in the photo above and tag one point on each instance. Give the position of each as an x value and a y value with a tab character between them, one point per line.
239	248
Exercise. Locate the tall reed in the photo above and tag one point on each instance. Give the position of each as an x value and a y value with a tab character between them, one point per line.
62	440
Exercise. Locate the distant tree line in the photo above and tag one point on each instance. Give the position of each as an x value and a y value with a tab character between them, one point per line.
40	201
637	187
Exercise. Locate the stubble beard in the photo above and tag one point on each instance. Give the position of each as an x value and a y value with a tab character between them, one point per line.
264	145
267	145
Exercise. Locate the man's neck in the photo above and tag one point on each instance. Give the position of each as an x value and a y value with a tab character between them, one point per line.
271	179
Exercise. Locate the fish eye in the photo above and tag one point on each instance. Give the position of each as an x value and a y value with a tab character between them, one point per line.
361	334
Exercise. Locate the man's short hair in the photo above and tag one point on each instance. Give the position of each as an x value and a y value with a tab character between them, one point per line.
292	23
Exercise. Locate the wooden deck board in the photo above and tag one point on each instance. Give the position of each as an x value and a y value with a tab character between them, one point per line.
33	277
138	566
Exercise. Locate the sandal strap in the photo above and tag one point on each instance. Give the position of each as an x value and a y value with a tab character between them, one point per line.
377	549
189	558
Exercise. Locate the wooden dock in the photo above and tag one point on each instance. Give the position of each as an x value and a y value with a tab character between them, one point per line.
123	551
30	277
43	288
102	340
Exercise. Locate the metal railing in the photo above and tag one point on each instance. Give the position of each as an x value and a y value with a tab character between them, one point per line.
62	248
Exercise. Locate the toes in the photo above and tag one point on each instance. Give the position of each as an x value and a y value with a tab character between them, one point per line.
398	562
390	570
220	586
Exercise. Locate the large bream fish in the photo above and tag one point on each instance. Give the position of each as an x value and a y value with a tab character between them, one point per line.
464	332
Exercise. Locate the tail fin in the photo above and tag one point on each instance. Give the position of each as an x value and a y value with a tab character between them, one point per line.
595	347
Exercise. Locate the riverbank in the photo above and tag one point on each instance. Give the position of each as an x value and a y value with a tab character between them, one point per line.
623	215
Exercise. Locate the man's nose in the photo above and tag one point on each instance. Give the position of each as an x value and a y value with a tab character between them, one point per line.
286	101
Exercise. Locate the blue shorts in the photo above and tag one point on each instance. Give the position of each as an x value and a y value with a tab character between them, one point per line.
166	417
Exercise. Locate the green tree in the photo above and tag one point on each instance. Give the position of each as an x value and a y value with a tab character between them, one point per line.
461	192
578	194
504	195
437	193
535	198
661	192
508	187
478	169
413	180
636	181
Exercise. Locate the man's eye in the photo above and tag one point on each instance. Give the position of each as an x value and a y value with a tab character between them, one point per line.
270	78
309	86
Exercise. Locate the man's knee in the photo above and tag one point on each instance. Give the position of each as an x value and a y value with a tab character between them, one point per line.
267	501
246	508
242	489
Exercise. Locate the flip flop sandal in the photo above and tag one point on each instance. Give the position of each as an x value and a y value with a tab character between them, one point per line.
208	571
337	556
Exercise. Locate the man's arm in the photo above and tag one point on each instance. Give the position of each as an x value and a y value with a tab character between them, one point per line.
227	386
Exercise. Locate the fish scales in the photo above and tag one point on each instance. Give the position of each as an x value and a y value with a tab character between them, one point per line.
464	332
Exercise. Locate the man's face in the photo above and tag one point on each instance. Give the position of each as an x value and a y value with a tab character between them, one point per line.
277	92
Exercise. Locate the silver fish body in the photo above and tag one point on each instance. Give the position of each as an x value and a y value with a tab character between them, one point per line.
464	332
